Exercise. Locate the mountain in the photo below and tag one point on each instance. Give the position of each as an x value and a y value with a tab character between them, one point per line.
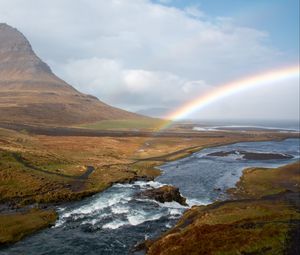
155	112
30	93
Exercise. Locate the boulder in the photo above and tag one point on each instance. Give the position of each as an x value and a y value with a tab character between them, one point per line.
165	194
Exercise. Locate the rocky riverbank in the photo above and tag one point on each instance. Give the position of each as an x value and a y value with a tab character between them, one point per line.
262	218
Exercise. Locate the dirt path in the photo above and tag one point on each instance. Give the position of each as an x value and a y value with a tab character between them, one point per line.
89	170
164	158
26	164
78	181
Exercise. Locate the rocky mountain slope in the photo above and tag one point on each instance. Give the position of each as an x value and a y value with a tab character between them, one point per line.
30	92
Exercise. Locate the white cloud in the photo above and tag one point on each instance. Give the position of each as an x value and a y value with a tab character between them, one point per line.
93	75
140	81
112	82
165	1
137	54
194	86
194	11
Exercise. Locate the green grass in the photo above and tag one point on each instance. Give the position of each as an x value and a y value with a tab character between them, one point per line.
23	185
131	124
258	182
15	226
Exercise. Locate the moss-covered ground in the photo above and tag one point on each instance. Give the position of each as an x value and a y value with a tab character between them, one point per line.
14	227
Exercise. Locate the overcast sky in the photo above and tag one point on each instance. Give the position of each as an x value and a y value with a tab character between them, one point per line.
140	54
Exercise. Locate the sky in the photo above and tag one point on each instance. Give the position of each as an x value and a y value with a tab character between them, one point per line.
144	55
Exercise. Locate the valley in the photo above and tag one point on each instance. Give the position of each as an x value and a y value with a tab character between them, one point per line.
38	171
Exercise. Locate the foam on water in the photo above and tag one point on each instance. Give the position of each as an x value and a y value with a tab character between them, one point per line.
119	209
119	206
173	211
113	210
172	205
191	202
95	206
149	184
141	217
93	221
135	218
115	224
123	185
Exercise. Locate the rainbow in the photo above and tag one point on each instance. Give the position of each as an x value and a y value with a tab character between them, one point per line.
231	88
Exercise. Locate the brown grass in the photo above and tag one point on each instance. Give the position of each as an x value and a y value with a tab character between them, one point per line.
14	227
258	226
259	182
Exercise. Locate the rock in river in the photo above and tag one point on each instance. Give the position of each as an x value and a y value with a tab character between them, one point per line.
251	155
165	194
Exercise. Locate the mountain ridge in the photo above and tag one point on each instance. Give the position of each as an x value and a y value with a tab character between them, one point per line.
31	93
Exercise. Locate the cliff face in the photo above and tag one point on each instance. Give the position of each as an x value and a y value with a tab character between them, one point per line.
17	55
30	93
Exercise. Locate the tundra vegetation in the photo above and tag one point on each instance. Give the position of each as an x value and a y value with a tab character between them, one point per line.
39	171
262	218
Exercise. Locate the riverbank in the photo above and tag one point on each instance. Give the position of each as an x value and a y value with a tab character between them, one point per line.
262	218
14	227
41	171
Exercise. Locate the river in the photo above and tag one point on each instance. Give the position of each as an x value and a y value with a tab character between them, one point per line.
113	221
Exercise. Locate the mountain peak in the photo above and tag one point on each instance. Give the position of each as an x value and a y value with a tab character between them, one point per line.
12	40
16	54
31	93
